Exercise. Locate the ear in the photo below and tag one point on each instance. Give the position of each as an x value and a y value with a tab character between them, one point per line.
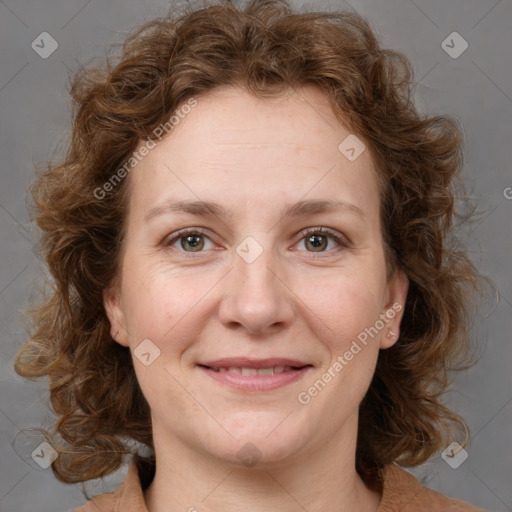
115	314
397	294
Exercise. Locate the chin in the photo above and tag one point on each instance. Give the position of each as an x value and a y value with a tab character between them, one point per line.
259	439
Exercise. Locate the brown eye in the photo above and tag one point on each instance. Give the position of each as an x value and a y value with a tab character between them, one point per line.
189	241
195	242
317	242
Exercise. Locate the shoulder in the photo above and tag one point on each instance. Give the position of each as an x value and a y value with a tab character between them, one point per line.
104	502
402	491
128	497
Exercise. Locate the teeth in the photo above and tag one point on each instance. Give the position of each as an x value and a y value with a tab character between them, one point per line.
255	371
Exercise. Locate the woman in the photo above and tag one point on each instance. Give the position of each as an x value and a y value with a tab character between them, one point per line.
248	239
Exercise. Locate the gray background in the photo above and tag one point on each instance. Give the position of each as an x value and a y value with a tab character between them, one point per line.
475	87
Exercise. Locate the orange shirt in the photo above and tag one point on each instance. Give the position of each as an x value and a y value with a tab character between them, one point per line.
402	492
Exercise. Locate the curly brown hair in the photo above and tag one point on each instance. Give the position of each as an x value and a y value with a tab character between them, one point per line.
266	48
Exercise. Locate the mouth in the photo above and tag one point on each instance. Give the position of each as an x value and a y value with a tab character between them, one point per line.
255	375
256	371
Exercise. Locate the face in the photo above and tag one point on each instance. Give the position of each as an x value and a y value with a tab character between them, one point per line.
253	291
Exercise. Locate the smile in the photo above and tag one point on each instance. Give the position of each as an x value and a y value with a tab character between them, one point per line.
249	378
256	371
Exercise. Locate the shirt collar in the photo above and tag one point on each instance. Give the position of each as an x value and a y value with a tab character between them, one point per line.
399	487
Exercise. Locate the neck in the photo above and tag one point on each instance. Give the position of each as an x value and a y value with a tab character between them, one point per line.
323	478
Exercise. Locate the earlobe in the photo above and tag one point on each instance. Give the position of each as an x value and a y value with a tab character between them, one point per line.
115	315
398	287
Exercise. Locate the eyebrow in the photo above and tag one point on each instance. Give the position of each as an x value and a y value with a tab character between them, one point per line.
211	209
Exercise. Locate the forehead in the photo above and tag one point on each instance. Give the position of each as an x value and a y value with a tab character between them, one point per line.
232	114
267	148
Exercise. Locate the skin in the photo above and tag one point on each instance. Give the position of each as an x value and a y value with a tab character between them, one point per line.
253	156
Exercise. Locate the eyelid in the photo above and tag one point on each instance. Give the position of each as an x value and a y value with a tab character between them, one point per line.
182	232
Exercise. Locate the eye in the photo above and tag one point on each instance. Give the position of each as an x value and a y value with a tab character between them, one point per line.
317	239
189	240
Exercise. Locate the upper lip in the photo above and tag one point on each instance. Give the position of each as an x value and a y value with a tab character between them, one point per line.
244	362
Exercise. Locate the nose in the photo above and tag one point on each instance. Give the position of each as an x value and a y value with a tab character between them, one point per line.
256	296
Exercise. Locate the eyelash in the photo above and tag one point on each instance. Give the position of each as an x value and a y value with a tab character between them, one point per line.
340	240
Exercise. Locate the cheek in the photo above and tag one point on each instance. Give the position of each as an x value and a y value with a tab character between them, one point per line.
159	303
346	302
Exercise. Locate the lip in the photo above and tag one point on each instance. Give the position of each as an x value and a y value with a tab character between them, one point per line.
255	382
244	362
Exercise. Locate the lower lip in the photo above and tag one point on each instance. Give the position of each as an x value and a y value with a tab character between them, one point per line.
256	382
